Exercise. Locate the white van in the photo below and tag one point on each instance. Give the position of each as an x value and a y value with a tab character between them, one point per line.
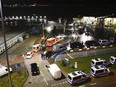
98	61
55	71
4	70
77	77
99	71
113	59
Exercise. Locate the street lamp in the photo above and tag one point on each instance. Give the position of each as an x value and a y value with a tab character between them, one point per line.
43	22
6	51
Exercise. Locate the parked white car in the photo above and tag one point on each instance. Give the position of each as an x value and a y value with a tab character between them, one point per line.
28	55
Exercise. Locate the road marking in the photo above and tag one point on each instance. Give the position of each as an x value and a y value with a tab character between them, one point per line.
65	82
82	86
59	83
93	84
44	78
70	56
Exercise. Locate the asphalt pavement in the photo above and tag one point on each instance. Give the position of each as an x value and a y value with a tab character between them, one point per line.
19	48
42	79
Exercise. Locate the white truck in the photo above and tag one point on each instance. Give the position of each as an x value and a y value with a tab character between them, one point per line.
4	70
55	71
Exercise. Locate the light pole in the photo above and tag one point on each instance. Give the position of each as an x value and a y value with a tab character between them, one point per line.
6	51
43	22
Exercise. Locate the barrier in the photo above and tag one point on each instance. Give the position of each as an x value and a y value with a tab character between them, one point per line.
10	42
3	62
14	59
10	61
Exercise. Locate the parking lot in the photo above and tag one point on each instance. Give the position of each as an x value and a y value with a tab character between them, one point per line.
44	75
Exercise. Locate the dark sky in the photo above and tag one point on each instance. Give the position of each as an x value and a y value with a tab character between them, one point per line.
65	2
62	7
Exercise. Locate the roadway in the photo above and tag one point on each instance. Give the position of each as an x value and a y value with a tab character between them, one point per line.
19	48
44	76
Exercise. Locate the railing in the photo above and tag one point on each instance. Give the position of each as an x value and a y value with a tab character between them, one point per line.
10	42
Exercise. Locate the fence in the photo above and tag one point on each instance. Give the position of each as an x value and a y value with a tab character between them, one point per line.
10	42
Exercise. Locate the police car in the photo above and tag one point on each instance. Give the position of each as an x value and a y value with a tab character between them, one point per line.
77	77
99	71
113	59
98	61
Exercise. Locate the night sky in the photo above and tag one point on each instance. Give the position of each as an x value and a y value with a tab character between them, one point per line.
59	8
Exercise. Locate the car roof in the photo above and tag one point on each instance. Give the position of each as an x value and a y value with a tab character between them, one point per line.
33	64
98	60
29	52
36	45
100	67
76	73
114	57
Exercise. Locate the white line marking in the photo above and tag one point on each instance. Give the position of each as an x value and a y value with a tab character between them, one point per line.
70	56
44	78
93	84
82	86
60	83
65	82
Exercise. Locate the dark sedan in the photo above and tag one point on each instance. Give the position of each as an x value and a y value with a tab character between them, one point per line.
34	69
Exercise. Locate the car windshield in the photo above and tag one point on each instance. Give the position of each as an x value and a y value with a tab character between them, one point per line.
69	77
92	70
100	71
112	59
76	78
28	54
104	41
92	62
99	63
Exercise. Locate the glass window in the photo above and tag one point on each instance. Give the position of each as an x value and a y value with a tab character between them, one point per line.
92	70
76	78
92	62
84	75
69	77
100	71
28	54
112	59
99	63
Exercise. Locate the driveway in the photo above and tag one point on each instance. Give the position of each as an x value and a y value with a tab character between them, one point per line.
42	79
